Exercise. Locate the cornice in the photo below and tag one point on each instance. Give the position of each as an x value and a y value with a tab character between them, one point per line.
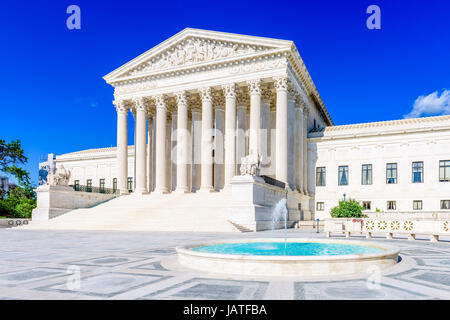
197	33
281	48
201	66
316	137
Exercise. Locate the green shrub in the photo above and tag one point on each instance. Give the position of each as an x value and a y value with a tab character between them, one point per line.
7	207
17	207
24	207
348	209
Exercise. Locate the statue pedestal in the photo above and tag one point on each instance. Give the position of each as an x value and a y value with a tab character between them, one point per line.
253	201
53	201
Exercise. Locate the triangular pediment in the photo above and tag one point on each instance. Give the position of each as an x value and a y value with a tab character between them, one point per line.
191	47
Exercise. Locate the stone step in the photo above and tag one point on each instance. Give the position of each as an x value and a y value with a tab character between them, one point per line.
205	212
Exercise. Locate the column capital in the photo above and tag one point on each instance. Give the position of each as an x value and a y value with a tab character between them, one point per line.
160	101
206	94
181	97
218	99
139	104
266	95
242	97
121	106
301	104
229	91
255	86
306	111
292	94
281	83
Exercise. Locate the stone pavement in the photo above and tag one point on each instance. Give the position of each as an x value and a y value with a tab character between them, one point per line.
141	265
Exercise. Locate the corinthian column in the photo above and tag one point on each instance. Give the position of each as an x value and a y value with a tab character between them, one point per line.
141	144
305	150
265	143
161	123
241	127
298	148
196	140
255	117
122	146
207	132
281	170
182	143
230	133
291	137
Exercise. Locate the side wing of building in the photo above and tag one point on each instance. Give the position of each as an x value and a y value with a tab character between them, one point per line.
389	166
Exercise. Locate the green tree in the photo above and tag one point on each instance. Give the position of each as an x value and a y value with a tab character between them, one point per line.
20	200
348	209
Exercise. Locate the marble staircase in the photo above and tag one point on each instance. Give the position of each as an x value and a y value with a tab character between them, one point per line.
198	212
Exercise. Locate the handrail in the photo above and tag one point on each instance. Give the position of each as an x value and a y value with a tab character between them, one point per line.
95	189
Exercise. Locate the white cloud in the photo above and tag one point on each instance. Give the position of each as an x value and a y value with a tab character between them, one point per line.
432	104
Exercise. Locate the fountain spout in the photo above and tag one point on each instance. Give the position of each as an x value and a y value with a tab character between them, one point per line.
280	212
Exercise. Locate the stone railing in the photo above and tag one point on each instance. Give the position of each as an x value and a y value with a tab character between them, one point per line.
253	202
53	201
434	228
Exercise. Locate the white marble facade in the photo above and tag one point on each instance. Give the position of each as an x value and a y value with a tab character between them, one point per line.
201	100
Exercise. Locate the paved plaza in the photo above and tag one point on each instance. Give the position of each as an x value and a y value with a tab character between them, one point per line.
142	265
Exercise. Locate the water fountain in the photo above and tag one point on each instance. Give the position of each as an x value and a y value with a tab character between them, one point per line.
280	210
304	258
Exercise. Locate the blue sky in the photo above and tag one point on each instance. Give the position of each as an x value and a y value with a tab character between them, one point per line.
54	99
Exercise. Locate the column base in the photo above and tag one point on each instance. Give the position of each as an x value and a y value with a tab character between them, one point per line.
182	190
226	187
124	192
206	189
140	191
161	191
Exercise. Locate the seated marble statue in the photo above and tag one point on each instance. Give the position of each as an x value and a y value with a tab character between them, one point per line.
251	164
58	176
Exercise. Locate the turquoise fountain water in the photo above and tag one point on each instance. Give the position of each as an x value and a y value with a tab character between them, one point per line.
287	249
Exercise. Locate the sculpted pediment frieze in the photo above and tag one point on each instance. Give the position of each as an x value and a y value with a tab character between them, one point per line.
193	51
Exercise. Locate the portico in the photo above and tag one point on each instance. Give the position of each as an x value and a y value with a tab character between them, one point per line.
216	97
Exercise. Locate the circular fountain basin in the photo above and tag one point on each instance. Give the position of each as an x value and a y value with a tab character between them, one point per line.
296	257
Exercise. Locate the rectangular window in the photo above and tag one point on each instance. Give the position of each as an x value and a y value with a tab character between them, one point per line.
320	176
343	176
76	185
417	204
89	185
391	205
417	172
366	205
366	175
320	206
130	184
445	204
114	185
102	185
391	173
444	171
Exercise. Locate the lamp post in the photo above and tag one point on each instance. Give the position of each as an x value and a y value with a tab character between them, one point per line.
344	197
317	220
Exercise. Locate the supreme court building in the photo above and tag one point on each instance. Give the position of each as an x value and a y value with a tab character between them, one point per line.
203	100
